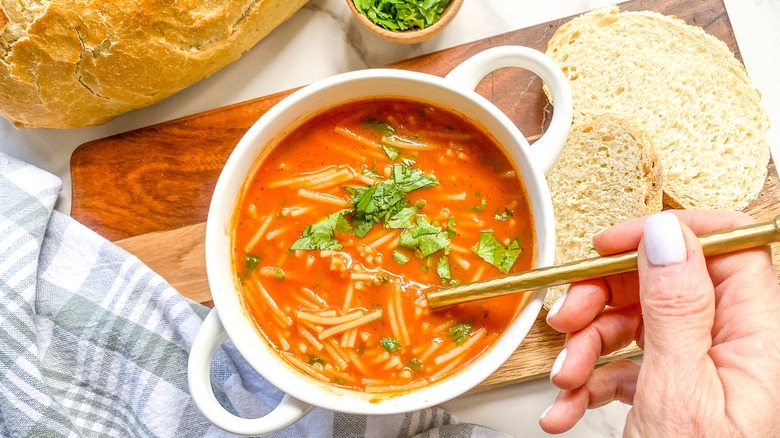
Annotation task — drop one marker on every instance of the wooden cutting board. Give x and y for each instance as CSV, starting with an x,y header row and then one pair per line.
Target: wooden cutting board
x,y
149,189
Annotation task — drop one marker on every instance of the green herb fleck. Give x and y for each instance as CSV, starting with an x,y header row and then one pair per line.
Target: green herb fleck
x,y
400,257
391,152
316,359
451,231
390,344
251,262
376,125
498,255
460,332
481,207
339,381
415,365
279,274
443,269
504,215
320,235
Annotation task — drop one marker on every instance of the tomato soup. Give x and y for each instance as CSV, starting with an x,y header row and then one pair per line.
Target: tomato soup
x,y
353,216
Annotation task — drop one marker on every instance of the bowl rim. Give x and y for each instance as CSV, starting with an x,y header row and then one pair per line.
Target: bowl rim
x,y
408,36
256,350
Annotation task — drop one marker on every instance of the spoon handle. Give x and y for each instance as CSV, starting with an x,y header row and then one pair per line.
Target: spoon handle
x,y
720,242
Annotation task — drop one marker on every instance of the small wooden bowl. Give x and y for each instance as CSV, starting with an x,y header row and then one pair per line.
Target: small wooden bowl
x,y
408,36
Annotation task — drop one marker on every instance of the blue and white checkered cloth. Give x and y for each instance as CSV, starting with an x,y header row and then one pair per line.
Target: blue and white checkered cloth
x,y
94,344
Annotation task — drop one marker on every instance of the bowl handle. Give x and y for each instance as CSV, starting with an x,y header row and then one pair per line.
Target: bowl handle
x,y
547,148
210,336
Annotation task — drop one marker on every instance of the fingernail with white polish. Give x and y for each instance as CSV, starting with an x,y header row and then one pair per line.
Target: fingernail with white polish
x,y
544,414
556,307
558,364
664,242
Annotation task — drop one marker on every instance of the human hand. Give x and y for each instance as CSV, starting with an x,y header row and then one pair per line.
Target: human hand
x,y
710,331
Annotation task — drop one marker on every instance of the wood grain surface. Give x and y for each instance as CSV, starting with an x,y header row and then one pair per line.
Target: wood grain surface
x,y
163,175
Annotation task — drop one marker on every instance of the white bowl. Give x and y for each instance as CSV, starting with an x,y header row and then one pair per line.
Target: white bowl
x,y
455,92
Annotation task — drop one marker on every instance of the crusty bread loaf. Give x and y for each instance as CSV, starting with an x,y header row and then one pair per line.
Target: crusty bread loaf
x,y
686,90
608,172
66,64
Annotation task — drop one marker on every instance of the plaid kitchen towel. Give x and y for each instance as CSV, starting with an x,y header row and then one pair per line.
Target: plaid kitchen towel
x,y
93,343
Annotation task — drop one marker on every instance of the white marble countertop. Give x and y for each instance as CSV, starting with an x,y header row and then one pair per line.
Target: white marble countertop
x,y
322,40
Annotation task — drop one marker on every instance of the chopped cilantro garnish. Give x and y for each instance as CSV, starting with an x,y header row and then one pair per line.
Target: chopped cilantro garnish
x,y
503,215
384,202
451,231
498,255
361,228
400,257
443,269
403,219
460,332
279,274
391,152
424,237
320,235
385,199
402,14
378,126
251,262
408,178
390,344
415,365
377,203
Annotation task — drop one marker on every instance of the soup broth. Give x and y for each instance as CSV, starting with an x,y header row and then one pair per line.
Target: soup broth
x,y
353,216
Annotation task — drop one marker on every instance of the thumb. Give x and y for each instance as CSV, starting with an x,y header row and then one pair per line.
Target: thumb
x,y
676,294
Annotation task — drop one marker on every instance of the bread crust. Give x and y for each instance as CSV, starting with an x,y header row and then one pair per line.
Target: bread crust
x,y
75,63
684,88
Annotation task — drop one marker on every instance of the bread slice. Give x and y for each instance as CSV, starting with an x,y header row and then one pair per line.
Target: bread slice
x,y
608,172
686,90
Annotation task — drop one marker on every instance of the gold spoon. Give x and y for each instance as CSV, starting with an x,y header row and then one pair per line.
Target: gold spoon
x,y
720,242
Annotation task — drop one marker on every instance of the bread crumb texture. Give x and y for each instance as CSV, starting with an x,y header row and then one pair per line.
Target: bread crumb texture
x,y
74,63
684,88
608,172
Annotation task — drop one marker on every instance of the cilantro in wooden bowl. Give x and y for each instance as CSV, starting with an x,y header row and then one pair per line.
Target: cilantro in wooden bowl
x,y
405,21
